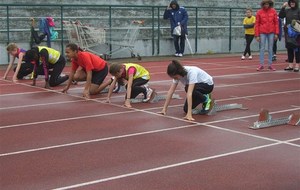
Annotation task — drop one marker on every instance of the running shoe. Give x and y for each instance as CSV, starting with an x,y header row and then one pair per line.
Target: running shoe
x,y
206,104
289,68
271,68
260,67
150,95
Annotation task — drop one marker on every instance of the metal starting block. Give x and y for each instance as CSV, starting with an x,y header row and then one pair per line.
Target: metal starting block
x,y
119,89
217,108
265,120
155,99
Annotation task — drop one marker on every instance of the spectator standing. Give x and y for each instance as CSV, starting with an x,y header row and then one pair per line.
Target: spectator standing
x,y
266,30
178,17
248,24
290,11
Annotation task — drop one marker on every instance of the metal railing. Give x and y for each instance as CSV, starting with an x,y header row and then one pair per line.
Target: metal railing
x,y
225,22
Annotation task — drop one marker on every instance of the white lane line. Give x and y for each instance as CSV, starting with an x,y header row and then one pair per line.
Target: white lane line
x,y
233,98
65,119
22,93
164,167
207,124
44,104
95,140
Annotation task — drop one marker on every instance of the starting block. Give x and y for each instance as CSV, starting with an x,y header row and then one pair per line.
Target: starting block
x,y
217,108
265,120
116,90
155,99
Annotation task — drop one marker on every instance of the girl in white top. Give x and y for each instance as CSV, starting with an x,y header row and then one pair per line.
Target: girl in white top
x,y
198,85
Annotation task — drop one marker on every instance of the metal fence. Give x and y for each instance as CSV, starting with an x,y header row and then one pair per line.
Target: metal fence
x,y
204,22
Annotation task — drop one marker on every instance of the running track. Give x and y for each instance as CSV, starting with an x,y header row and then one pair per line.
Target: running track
x,y
51,140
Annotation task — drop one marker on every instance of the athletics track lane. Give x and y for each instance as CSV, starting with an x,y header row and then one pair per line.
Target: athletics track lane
x,y
104,146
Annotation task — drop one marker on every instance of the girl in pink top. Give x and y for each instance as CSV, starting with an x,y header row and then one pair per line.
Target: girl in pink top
x,y
22,69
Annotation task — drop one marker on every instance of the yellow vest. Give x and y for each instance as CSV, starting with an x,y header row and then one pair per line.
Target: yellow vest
x,y
141,72
53,54
250,20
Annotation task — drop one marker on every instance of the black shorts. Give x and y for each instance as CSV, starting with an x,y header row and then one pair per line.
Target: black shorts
x,y
99,76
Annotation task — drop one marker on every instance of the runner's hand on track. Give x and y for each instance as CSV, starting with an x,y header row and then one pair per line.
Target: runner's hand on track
x,y
86,94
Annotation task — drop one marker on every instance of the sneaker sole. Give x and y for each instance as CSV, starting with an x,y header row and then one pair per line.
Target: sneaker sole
x,y
151,97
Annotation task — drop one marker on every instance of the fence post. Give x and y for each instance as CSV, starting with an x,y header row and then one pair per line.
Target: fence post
x,y
230,27
153,35
158,30
196,32
62,29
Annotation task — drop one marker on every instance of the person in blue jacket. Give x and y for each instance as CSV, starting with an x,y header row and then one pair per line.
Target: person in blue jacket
x,y
178,16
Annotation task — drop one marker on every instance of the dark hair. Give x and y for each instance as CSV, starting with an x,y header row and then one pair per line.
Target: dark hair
x,y
114,68
270,2
174,3
296,3
32,55
74,47
175,68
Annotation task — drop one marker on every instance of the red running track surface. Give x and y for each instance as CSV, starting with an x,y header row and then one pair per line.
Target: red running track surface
x,y
51,140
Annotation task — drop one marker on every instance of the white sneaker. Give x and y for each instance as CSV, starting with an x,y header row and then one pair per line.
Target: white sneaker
x,y
176,54
250,57
180,55
150,95
243,57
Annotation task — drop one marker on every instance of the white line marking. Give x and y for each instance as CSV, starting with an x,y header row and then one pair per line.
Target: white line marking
x,y
164,167
22,93
207,124
45,104
95,140
64,119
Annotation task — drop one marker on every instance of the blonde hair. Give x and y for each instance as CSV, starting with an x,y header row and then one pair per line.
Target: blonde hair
x,y
12,46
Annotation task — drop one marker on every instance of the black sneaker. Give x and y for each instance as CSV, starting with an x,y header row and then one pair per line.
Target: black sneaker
x,y
288,68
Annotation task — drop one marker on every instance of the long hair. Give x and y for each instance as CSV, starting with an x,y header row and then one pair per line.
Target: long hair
x,y
74,47
114,69
175,68
32,54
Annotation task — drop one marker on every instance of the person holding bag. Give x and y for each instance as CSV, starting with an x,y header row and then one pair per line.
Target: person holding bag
x,y
290,11
178,17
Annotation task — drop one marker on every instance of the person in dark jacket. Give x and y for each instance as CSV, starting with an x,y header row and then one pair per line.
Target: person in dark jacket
x,y
178,16
291,13
266,30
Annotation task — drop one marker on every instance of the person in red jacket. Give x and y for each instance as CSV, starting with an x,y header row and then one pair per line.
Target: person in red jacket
x,y
266,30
87,67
